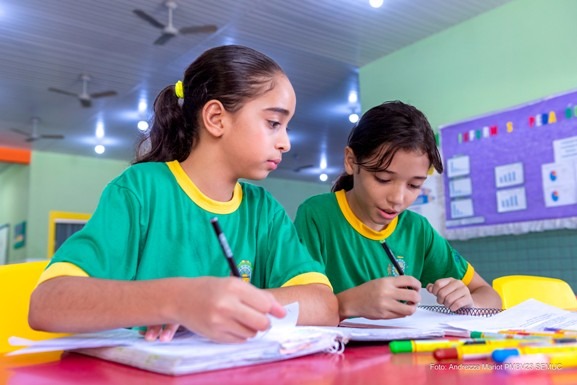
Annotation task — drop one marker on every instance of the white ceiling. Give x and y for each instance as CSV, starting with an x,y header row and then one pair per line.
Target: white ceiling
x,y
319,43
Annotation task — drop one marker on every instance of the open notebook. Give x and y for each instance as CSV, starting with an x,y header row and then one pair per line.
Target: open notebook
x,y
191,353
429,302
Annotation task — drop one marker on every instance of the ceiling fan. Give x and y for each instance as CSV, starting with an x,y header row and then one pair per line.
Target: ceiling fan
x,y
84,97
34,135
169,30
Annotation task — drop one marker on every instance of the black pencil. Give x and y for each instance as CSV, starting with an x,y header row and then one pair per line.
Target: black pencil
x,y
225,247
392,258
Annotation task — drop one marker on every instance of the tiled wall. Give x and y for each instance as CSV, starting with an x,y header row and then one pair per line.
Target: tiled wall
x,y
549,253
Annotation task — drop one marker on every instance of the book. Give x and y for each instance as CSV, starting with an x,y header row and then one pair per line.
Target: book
x,y
192,353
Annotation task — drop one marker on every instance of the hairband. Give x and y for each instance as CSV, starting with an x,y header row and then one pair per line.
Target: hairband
x,y
179,89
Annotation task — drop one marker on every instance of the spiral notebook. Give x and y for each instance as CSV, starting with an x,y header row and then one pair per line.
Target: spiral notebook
x,y
429,302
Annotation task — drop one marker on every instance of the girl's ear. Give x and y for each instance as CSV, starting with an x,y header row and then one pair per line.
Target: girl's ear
x,y
349,160
212,118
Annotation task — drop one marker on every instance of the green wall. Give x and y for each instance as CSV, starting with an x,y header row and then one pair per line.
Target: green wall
x,y
63,183
519,52
14,187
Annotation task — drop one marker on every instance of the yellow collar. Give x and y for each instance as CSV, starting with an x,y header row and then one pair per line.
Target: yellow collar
x,y
199,198
358,225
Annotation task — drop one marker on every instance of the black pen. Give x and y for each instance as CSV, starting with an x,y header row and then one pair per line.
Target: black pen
x,y
225,247
392,258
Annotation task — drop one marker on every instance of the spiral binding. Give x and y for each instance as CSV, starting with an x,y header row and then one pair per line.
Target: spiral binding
x,y
473,311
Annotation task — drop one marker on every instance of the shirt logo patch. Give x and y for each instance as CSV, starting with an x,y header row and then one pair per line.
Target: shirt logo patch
x,y
392,272
245,270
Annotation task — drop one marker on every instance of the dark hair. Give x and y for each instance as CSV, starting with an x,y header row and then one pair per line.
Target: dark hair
x,y
382,131
230,74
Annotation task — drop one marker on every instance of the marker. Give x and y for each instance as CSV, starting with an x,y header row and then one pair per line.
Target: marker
x,y
493,336
418,346
412,346
500,355
472,351
225,247
533,362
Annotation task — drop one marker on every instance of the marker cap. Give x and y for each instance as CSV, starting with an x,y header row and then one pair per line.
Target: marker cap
x,y
500,355
446,354
401,346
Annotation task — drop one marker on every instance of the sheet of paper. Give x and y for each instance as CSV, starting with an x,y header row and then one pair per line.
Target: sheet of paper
x,y
529,315
387,334
120,337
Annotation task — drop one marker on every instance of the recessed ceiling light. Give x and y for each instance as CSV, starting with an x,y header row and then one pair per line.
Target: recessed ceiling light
x,y
353,118
323,177
142,125
99,149
376,3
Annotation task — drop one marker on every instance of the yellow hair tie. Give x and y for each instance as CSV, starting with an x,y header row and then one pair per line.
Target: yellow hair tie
x,y
431,170
179,89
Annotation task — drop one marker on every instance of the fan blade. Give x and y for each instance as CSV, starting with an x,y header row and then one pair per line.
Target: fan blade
x,y
62,91
85,102
21,132
198,29
164,38
305,167
51,136
32,138
146,17
103,94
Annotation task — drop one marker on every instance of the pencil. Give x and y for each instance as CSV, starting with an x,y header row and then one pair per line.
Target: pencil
x,y
392,258
225,247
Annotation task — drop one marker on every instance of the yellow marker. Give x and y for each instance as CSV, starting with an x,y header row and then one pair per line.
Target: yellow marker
x,y
501,355
477,350
540,362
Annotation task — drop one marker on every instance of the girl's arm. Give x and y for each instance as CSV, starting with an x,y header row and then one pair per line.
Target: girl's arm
x,y
222,309
317,304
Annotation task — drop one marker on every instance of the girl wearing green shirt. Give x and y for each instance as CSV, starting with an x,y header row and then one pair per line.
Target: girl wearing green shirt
x,y
149,256
389,155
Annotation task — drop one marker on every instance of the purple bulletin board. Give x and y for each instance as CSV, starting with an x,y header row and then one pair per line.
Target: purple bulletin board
x,y
512,171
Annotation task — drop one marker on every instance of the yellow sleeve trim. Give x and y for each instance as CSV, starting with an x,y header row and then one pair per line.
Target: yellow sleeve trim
x,y
468,275
61,269
307,278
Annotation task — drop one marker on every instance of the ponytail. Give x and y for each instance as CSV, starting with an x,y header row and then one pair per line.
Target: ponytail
x,y
168,138
343,182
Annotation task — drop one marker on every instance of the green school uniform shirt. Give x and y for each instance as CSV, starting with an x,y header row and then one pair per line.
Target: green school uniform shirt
x,y
352,253
153,222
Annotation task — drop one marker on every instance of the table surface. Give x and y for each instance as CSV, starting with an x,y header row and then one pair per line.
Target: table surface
x,y
359,364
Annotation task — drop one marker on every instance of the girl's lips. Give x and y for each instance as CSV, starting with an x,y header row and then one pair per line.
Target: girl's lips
x,y
388,214
273,163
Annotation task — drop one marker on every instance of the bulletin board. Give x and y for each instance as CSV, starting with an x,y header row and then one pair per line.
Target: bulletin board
x,y
512,171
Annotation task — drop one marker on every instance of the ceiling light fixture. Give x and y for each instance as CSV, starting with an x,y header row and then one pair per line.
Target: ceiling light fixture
x,y
323,177
353,117
376,3
142,125
99,149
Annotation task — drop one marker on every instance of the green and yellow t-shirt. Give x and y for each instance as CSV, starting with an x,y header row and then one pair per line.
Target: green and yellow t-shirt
x,y
352,253
153,222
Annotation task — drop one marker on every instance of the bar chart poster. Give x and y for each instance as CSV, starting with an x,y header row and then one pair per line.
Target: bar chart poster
x,y
512,167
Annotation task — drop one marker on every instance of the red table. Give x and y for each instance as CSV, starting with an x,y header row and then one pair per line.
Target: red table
x,y
359,364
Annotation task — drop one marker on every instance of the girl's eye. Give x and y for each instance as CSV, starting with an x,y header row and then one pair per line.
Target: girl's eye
x,y
274,124
383,181
413,186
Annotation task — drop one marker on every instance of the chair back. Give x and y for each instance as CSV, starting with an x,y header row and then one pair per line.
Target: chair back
x,y
515,289
17,281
